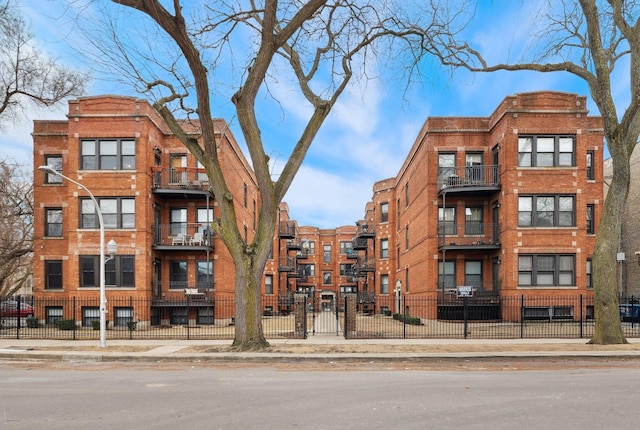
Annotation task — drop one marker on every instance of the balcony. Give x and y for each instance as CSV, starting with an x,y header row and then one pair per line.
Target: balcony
x,y
365,230
182,236
469,236
469,180
179,181
360,243
365,265
287,264
182,292
294,244
287,229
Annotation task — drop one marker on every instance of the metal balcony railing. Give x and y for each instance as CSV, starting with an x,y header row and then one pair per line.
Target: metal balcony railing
x,y
180,178
468,234
183,234
469,176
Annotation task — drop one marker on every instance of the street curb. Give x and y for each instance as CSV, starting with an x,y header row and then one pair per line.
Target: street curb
x,y
266,358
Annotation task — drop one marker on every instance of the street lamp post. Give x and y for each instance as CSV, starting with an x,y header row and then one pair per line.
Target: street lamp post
x,y
112,248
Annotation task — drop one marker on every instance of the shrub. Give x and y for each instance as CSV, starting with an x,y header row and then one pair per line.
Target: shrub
x,y
407,319
132,325
32,322
65,324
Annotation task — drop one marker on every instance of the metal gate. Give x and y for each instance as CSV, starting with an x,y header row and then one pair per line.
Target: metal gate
x,y
324,315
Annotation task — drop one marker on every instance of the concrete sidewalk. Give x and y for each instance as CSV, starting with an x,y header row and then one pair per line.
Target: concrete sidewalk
x,y
315,348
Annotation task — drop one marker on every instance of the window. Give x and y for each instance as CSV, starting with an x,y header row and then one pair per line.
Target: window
x,y
346,270
204,274
119,212
203,215
384,248
591,173
326,257
447,275
546,211
307,270
53,274
406,193
53,314
179,316
546,151
384,212
111,154
310,246
546,270
346,248
406,238
178,166
326,278
446,167
398,214
53,226
205,315
446,221
178,221
118,272
177,274
474,173
268,284
384,284
90,314
201,175
406,282
55,162
473,221
473,274
589,278
123,316
245,195
591,228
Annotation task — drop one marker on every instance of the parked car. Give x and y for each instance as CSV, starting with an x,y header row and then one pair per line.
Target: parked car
x,y
9,309
630,312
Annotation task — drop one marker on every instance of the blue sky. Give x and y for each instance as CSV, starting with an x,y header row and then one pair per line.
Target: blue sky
x,y
371,129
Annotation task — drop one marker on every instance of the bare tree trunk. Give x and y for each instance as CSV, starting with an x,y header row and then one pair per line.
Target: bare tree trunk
x,y
249,335
607,313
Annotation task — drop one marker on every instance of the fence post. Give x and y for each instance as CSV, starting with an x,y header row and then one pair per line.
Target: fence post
x,y
465,314
18,312
73,317
130,325
188,316
581,316
521,316
403,300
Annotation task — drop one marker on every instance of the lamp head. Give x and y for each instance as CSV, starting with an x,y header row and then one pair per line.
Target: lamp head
x,y
112,248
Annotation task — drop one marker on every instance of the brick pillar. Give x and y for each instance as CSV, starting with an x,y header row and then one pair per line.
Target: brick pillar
x,y
300,313
350,306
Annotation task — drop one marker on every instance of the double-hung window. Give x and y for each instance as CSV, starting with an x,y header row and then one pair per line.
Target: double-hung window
x,y
546,270
204,274
546,151
384,248
108,154
384,212
117,212
446,221
55,162
546,211
53,274
118,272
53,226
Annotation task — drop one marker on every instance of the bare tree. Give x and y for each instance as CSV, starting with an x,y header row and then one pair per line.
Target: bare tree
x,y
16,227
27,76
589,39
321,45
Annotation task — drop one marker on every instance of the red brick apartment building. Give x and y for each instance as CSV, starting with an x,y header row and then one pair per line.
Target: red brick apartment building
x,y
156,205
506,204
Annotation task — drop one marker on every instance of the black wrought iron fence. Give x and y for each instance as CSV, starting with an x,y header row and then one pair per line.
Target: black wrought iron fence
x,y
382,317
486,318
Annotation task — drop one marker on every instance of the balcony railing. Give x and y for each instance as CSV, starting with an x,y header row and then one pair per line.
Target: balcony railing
x,y
365,230
180,178
471,234
365,265
287,229
469,177
183,234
